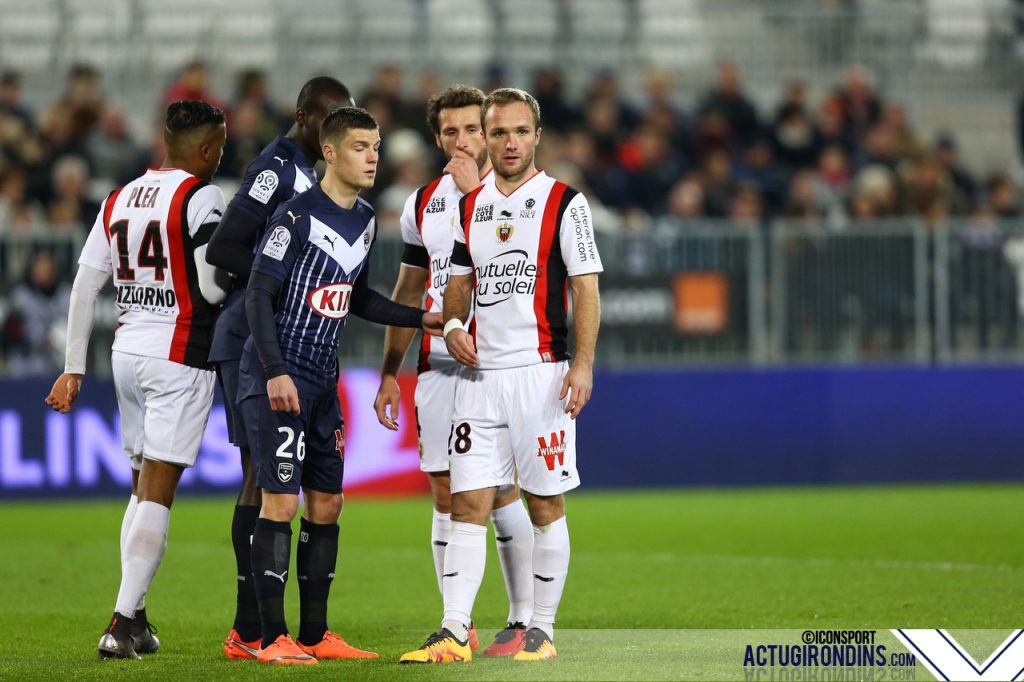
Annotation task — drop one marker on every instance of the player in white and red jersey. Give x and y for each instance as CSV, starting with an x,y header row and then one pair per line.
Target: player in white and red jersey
x,y
520,243
427,230
151,235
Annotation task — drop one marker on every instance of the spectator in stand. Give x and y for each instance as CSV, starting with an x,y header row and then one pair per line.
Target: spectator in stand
x,y
664,112
686,200
11,105
879,148
718,184
746,207
906,142
793,132
192,83
946,153
18,213
758,168
807,199
651,168
114,157
860,107
1002,196
34,328
252,91
548,89
71,206
728,100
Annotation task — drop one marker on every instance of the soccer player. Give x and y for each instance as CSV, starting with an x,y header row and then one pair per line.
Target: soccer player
x,y
152,235
310,271
430,213
518,243
283,170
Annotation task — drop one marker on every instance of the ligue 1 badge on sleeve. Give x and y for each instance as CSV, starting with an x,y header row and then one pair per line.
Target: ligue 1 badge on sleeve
x,y
504,232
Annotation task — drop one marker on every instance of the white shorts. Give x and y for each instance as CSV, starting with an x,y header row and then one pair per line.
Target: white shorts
x,y
509,420
164,406
435,400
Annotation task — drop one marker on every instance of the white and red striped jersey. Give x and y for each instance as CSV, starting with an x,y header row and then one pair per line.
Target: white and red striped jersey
x,y
145,235
428,230
521,249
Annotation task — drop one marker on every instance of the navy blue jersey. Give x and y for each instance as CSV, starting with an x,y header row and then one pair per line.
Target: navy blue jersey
x,y
318,250
280,173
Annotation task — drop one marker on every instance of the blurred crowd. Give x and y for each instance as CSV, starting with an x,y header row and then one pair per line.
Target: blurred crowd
x,y
648,164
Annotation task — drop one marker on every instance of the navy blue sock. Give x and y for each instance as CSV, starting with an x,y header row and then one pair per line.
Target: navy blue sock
x,y
247,607
315,559
271,552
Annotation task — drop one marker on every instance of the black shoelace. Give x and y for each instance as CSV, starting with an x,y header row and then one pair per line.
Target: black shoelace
x,y
509,633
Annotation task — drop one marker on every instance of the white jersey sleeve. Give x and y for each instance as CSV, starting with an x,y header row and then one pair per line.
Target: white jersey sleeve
x,y
96,252
459,233
205,207
410,232
576,239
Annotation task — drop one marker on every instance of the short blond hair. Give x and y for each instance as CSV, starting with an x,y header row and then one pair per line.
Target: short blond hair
x,y
508,96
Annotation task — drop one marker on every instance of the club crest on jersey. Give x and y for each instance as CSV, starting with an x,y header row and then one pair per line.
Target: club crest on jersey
x,y
284,471
504,232
331,300
484,213
528,212
436,205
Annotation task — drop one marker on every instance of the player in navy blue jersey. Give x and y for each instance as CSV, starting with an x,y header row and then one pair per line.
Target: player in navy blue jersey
x,y
310,271
283,170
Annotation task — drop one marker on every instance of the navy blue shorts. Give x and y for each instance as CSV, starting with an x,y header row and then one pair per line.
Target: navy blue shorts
x,y
227,377
292,452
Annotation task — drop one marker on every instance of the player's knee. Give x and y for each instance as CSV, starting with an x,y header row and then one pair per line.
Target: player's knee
x,y
323,508
440,488
545,509
279,506
506,496
473,506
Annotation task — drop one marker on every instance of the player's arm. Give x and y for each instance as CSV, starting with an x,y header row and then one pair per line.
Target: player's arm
x,y
586,317
583,263
204,212
260,295
93,271
458,294
272,266
233,243
408,291
84,292
412,276
373,306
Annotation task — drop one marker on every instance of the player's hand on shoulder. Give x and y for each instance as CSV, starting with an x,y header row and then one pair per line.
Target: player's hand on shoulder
x,y
433,323
464,171
461,347
283,395
64,392
388,395
578,385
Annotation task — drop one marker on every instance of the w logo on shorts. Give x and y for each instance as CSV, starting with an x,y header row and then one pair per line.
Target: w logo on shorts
x,y
553,451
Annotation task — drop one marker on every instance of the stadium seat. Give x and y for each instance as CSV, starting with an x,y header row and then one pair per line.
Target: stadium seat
x,y
673,35
530,32
460,34
387,31
599,30
28,33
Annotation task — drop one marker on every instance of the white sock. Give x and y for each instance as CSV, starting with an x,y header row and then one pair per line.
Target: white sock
x,y
126,524
513,535
550,566
463,571
144,547
440,534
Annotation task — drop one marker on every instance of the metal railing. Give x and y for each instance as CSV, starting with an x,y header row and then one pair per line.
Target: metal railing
x,y
719,293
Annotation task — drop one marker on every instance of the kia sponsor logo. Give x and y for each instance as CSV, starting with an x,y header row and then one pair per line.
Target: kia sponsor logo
x,y
331,300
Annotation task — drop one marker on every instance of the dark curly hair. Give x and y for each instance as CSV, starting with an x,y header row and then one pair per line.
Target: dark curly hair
x,y
190,114
455,97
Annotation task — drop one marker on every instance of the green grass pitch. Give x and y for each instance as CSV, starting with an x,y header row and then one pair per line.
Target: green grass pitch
x,y
872,557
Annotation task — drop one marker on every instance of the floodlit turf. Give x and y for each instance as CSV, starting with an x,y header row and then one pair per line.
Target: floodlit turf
x,y
949,557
